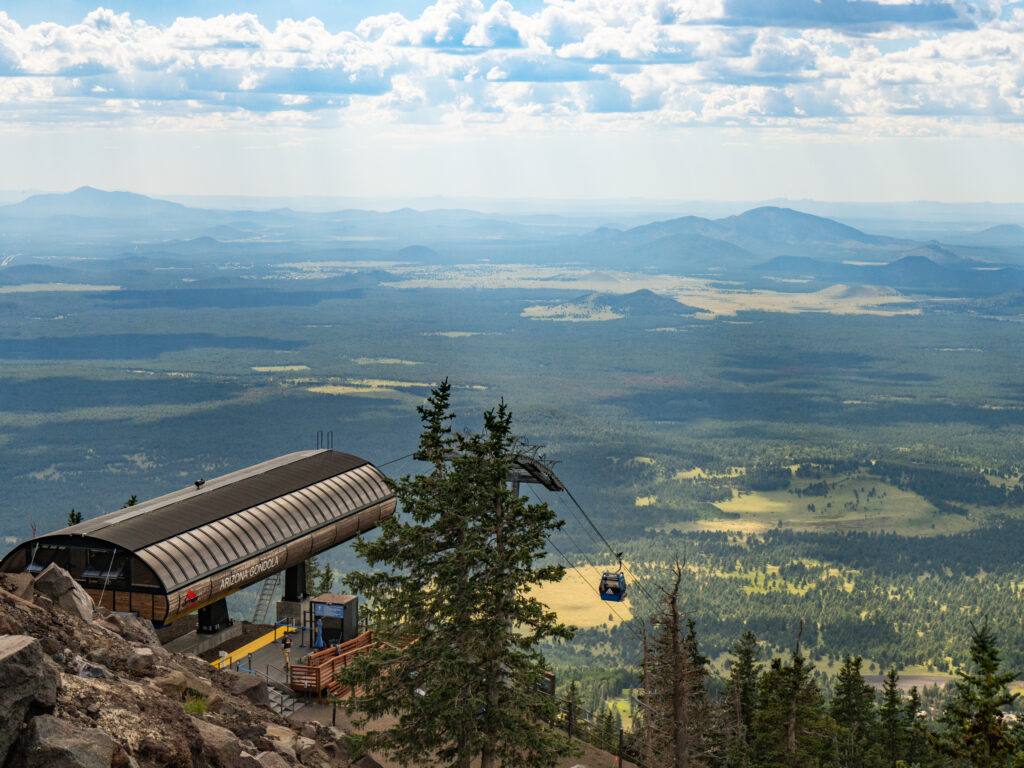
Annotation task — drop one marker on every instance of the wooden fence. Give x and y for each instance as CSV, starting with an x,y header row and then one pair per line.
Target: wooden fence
x,y
317,674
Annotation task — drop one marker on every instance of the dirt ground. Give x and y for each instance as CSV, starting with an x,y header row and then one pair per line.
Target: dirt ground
x,y
320,713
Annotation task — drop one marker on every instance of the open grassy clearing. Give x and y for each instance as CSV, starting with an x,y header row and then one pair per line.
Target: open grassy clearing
x,y
699,474
854,502
383,361
848,507
576,601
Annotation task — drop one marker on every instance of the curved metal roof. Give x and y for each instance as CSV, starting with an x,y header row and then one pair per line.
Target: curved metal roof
x,y
190,534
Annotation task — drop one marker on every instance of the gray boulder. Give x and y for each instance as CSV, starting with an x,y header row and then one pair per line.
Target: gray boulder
x,y
18,584
221,747
248,686
91,669
57,584
173,684
28,685
141,659
271,760
283,740
129,626
304,748
51,742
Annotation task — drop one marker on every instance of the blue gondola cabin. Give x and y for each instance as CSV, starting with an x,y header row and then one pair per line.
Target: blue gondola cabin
x,y
613,586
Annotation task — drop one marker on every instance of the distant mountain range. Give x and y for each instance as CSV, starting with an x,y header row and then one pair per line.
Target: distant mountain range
x,y
911,274
87,202
131,233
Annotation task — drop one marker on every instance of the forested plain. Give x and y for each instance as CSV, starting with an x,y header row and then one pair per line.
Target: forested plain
x,y
857,474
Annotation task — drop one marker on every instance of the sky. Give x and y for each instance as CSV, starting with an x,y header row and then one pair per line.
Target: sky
x,y
867,100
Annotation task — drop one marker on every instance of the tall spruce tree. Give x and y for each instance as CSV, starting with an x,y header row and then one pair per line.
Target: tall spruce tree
x,y
853,710
456,659
893,731
740,702
918,748
976,729
572,711
789,725
674,679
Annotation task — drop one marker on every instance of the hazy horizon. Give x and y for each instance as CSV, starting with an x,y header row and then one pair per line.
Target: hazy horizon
x,y
723,100
863,210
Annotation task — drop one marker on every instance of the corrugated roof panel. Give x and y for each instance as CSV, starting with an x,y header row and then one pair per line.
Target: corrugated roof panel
x,y
313,504
284,516
339,492
223,539
137,527
224,542
204,545
256,525
298,512
189,535
159,567
171,561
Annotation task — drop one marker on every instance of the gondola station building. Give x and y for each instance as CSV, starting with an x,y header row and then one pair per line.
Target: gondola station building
x,y
187,551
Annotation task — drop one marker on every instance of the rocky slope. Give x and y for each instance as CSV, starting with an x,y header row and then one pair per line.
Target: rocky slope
x,y
84,688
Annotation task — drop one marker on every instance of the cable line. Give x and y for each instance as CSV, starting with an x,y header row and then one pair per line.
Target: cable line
x,y
575,517
617,555
407,456
572,565
597,569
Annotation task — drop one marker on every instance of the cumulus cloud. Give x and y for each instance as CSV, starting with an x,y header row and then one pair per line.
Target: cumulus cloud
x,y
906,63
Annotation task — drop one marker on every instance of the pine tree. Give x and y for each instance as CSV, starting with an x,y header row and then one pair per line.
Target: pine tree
x,y
456,659
740,701
607,735
893,728
789,725
74,518
319,578
976,727
572,710
674,681
853,710
918,750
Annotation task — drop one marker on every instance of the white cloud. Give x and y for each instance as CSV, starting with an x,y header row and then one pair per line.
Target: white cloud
x,y
904,66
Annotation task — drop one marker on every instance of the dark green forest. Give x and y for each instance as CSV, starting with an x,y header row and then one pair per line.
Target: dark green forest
x,y
858,475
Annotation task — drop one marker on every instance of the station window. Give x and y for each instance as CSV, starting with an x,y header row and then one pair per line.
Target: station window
x,y
105,565
43,556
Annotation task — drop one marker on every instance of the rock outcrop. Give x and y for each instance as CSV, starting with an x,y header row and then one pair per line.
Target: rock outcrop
x,y
87,688
221,747
250,687
57,584
28,685
51,741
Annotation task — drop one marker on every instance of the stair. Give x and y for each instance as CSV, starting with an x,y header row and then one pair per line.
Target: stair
x,y
266,598
282,703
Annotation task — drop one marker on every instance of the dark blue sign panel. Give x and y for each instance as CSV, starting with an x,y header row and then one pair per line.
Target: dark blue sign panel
x,y
329,611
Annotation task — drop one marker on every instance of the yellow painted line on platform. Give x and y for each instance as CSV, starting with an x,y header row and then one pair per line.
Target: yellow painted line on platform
x,y
255,645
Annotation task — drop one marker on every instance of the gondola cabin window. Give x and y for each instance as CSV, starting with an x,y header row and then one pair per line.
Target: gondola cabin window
x,y
613,586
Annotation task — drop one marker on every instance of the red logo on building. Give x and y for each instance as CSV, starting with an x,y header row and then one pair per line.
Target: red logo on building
x,y
191,597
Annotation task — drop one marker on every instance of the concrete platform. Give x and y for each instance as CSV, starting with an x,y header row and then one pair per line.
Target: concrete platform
x,y
193,642
268,661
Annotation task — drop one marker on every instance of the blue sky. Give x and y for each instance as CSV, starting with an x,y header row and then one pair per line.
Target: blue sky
x,y
663,99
